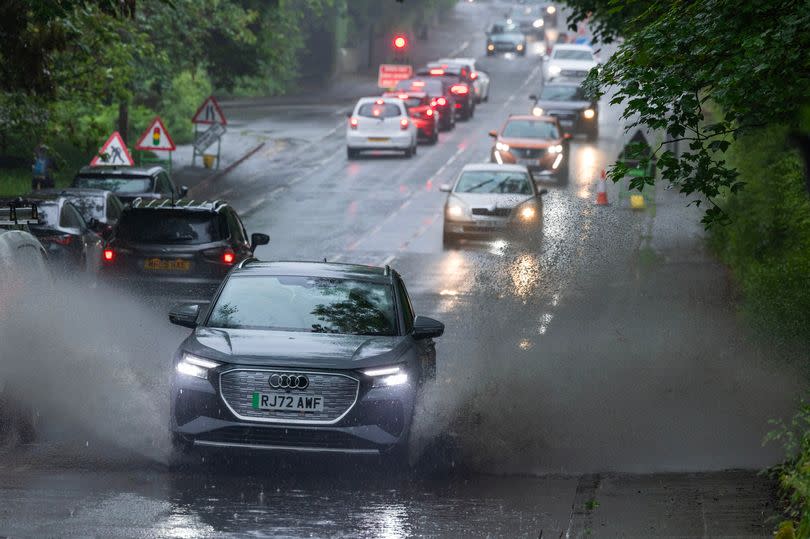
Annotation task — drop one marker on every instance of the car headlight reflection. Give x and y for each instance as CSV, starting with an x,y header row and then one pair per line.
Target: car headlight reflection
x,y
528,213
589,113
555,149
537,111
198,367
538,23
501,147
490,47
554,70
519,46
387,376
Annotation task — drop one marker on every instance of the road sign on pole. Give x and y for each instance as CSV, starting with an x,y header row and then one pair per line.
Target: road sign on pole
x,y
390,74
205,139
156,138
114,152
209,113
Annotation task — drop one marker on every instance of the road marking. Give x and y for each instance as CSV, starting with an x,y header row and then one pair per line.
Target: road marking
x,y
458,50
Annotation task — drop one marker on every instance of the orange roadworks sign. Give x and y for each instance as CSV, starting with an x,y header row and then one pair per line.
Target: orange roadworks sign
x,y
391,74
156,138
114,152
209,113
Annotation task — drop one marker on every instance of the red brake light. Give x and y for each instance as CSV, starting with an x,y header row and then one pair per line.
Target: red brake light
x,y
403,96
437,71
61,240
474,75
353,122
459,89
441,101
429,112
109,255
380,102
418,83
228,257
403,123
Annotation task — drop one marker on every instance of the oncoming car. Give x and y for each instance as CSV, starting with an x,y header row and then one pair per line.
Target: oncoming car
x,y
380,123
302,356
569,61
489,201
566,101
130,183
537,142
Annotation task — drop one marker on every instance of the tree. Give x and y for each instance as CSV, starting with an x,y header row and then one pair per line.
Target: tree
x,y
748,60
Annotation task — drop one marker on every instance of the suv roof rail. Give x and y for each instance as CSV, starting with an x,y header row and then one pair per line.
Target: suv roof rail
x,y
246,261
19,212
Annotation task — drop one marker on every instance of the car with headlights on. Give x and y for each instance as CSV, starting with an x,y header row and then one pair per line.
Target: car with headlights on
x,y
310,357
503,37
380,123
530,19
492,201
567,102
536,142
479,78
569,61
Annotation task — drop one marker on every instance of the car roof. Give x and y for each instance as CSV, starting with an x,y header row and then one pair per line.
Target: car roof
x,y
316,269
76,192
551,119
122,170
468,61
572,47
386,99
474,167
411,93
563,82
183,204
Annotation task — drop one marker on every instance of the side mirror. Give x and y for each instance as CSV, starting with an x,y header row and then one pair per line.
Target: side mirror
x,y
493,134
445,188
185,314
533,97
427,328
257,239
183,191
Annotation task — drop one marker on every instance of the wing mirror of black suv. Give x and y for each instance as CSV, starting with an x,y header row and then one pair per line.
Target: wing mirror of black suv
x,y
427,328
257,239
183,191
185,314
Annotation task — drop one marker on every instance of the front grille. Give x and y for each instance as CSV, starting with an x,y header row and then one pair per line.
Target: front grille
x,y
527,153
497,212
285,437
566,116
574,73
504,46
339,394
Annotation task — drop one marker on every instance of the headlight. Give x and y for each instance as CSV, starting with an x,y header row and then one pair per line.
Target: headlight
x,y
538,23
537,111
198,367
528,213
501,147
589,113
455,211
554,70
551,10
387,376
508,21
555,149
519,46
490,47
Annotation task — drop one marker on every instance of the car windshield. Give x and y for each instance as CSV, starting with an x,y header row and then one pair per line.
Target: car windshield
x,y
376,110
562,93
91,207
501,182
116,184
530,129
170,226
312,304
567,54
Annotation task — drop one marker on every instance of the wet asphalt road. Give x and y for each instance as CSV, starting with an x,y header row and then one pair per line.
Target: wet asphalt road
x,y
578,379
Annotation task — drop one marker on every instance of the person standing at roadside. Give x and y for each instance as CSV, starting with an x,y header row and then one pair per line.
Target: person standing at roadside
x,y
42,169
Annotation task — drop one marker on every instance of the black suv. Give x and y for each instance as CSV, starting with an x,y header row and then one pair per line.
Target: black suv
x,y
302,356
566,101
459,78
130,183
181,249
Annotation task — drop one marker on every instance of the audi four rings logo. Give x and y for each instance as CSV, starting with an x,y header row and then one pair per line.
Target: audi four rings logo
x,y
288,381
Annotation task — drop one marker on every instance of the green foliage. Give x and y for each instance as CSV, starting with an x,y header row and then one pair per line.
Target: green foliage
x,y
748,58
767,239
794,473
180,102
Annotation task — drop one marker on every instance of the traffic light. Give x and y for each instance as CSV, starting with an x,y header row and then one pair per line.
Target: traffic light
x,y
399,46
156,136
400,43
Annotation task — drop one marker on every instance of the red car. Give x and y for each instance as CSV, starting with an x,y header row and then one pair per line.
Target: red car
x,y
423,114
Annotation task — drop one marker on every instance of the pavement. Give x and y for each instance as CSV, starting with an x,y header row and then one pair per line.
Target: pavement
x,y
598,384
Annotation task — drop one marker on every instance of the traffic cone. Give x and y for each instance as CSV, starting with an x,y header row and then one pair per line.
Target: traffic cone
x,y
601,190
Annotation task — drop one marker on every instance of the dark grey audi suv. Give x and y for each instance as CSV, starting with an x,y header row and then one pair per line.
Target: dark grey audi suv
x,y
302,356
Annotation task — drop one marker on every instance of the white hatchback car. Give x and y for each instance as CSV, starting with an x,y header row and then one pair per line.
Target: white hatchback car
x,y
569,61
380,123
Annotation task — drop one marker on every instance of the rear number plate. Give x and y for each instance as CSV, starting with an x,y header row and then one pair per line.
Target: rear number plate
x,y
288,401
378,139
160,264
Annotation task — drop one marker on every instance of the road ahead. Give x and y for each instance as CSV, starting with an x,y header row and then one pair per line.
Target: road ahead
x,y
597,384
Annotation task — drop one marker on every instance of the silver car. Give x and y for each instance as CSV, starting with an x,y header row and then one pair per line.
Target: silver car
x,y
490,201
480,79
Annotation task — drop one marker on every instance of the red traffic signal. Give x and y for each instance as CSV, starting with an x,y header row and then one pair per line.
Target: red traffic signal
x,y
400,42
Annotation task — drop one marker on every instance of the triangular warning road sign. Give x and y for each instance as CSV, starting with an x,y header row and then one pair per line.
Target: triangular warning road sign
x,y
114,152
209,113
156,138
